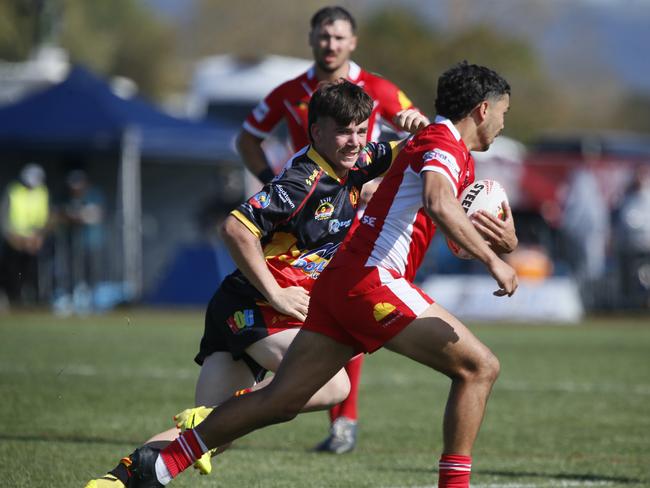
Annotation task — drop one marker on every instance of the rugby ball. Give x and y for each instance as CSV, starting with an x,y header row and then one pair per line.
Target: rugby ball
x,y
486,195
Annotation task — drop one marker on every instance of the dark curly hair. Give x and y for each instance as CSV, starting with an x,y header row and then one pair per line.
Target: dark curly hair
x,y
329,15
341,100
464,86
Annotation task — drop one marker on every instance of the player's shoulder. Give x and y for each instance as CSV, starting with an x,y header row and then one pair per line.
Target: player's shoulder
x,y
300,171
291,86
376,81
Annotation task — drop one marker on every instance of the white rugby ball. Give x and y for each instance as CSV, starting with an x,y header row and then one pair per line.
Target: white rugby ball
x,y
486,195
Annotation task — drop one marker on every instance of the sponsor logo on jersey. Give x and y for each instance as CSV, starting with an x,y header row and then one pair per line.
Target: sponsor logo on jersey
x,y
368,220
324,211
260,111
385,313
240,320
313,262
354,197
336,225
445,159
365,158
260,200
310,179
284,196
301,105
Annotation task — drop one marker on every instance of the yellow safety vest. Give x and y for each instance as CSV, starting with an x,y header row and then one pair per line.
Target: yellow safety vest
x,y
28,209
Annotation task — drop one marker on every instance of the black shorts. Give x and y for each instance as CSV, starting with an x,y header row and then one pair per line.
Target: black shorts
x,y
234,321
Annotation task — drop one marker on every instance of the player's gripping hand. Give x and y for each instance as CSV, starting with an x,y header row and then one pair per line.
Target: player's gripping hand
x,y
500,233
411,120
292,301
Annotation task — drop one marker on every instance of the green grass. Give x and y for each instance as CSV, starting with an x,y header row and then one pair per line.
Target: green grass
x,y
571,408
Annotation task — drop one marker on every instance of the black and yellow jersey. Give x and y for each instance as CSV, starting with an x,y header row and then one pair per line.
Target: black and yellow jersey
x,y
303,215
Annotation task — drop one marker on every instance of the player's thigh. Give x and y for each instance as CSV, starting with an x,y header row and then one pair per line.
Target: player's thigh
x,y
439,340
312,360
220,377
269,351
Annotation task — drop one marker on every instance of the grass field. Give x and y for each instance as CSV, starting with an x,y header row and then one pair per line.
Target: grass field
x,y
571,408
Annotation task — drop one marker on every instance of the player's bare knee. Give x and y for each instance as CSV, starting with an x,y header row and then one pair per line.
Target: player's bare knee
x,y
338,388
490,367
482,367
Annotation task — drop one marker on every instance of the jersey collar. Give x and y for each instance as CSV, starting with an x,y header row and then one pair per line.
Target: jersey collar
x,y
320,161
353,73
449,124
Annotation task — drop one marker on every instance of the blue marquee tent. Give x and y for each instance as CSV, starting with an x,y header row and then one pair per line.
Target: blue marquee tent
x,y
83,114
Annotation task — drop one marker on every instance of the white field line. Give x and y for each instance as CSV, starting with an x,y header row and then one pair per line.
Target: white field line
x,y
510,385
190,372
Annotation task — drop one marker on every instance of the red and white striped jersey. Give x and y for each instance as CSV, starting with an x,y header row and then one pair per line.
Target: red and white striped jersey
x,y
395,231
290,102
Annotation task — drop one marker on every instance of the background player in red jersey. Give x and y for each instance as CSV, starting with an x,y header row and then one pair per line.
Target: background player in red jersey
x,y
365,298
332,39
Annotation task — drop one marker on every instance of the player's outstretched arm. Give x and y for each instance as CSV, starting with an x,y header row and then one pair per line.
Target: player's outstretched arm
x,y
246,251
445,210
253,156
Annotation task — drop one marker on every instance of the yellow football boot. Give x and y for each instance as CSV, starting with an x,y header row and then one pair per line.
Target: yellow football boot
x,y
106,481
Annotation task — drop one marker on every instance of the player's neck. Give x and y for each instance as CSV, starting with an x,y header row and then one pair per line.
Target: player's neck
x,y
341,72
467,129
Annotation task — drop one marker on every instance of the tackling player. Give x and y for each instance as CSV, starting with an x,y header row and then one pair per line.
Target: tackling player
x,y
365,298
281,240
332,39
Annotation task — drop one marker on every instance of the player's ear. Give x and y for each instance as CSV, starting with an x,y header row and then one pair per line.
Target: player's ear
x,y
353,43
480,112
315,131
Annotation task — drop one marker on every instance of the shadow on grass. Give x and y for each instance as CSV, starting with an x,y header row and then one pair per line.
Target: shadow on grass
x,y
594,478
586,477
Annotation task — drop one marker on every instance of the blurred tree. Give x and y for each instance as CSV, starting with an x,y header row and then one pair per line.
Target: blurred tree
x,y
121,37
19,20
633,112
253,28
113,37
414,54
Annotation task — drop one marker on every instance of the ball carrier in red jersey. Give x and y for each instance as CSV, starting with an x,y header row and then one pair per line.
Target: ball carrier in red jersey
x,y
281,239
365,298
332,39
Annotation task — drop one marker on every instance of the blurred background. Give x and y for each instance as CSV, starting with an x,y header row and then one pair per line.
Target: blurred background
x,y
122,114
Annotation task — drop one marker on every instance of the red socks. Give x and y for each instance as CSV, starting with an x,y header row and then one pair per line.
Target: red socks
x,y
348,407
454,471
182,453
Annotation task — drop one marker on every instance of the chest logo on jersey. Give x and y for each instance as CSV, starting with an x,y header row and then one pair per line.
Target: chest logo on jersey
x,y
312,263
301,105
337,225
260,200
354,197
324,211
284,196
